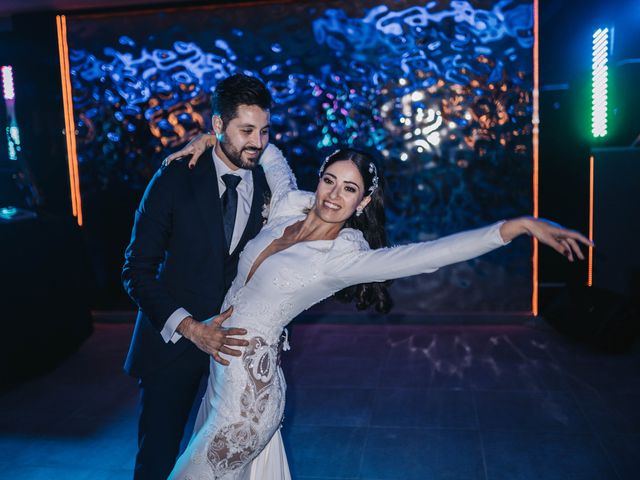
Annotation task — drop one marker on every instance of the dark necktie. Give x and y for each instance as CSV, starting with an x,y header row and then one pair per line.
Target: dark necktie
x,y
229,205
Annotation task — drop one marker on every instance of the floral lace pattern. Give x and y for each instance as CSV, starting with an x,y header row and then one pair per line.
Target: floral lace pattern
x,y
234,445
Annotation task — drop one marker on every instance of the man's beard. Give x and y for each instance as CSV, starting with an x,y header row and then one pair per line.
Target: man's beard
x,y
235,156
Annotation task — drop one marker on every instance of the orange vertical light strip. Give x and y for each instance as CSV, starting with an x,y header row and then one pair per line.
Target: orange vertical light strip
x,y
64,101
70,125
591,192
535,120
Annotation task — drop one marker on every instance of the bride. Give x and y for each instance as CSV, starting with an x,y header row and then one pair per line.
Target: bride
x,y
313,245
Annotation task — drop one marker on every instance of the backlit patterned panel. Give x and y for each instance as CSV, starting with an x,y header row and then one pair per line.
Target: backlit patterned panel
x,y
442,90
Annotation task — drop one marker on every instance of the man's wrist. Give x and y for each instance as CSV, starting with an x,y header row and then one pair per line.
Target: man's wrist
x,y
186,327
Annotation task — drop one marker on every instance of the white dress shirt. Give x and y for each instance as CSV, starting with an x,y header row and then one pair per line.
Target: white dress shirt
x,y
245,195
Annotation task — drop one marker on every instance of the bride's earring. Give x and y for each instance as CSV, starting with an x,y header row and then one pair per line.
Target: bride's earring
x,y
358,211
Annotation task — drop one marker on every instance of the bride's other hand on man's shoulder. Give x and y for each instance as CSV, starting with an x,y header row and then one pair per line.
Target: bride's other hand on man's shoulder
x,y
195,148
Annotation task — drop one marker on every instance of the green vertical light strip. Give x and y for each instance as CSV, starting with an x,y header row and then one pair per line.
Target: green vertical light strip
x,y
599,82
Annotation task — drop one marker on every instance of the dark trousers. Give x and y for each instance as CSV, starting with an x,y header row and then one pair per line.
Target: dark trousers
x,y
166,399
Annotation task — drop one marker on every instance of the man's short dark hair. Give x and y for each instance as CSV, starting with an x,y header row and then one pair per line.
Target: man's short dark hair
x,y
237,90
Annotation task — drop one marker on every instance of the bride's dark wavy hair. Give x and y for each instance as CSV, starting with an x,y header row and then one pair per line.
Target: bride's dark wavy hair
x,y
372,225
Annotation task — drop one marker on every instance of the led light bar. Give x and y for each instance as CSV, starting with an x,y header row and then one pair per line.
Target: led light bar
x,y
7,83
599,82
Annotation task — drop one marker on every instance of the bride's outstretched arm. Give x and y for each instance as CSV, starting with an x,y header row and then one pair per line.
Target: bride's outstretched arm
x,y
378,265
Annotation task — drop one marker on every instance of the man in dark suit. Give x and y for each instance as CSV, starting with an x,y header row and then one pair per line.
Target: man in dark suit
x,y
189,230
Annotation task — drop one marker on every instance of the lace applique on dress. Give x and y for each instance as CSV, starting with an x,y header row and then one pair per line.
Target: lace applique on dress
x,y
235,445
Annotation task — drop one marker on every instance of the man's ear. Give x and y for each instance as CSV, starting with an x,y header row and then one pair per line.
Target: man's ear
x,y
218,124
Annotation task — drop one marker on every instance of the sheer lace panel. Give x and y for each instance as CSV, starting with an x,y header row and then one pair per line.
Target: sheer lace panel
x,y
235,445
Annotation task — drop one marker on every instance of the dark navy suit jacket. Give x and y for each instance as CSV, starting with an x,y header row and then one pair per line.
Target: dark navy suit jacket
x,y
177,256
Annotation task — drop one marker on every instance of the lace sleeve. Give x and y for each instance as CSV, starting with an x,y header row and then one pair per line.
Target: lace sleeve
x,y
279,175
359,264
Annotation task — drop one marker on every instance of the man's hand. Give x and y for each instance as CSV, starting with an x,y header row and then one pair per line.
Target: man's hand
x,y
210,337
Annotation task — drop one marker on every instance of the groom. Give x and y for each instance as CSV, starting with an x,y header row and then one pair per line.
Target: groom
x,y
189,230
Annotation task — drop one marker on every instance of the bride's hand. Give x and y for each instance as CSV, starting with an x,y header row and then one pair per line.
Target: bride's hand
x,y
564,241
195,148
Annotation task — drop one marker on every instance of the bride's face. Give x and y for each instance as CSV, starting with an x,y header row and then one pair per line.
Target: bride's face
x,y
340,191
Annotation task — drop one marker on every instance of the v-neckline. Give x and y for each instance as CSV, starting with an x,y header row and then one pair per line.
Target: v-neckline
x,y
250,275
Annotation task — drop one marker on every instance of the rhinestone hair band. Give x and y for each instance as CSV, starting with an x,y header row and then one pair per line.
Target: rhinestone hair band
x,y
372,170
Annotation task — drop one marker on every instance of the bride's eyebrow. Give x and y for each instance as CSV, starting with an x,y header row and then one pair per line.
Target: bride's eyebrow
x,y
345,181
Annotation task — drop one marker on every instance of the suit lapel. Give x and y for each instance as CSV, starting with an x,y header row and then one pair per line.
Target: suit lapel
x,y
205,186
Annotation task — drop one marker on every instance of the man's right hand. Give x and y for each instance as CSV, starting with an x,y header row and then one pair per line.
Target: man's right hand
x,y
210,337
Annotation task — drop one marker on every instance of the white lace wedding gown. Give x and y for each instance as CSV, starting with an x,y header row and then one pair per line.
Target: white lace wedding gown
x,y
237,432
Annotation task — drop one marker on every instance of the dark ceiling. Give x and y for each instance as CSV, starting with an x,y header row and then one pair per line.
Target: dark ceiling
x,y
11,7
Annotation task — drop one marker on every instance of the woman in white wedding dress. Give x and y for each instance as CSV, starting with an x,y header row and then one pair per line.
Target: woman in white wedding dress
x,y
305,253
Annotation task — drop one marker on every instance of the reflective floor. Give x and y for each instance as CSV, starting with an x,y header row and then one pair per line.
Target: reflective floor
x,y
368,402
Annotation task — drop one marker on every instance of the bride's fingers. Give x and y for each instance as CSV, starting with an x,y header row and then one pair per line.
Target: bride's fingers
x,y
567,249
579,237
195,156
576,248
551,241
176,155
574,234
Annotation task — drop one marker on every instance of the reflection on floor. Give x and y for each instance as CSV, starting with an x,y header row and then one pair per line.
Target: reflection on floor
x,y
368,402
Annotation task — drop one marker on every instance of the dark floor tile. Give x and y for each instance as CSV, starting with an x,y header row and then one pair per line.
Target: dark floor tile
x,y
347,344
324,451
604,373
549,411
548,456
77,441
120,399
610,413
335,372
117,428
419,454
624,453
424,408
326,478
417,368
20,449
44,398
87,452
415,374
345,407
19,472
534,375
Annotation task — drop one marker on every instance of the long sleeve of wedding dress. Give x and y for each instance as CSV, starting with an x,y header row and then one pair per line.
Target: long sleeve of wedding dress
x,y
357,263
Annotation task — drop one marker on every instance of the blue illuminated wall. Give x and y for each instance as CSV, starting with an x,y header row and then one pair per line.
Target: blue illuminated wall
x,y
442,90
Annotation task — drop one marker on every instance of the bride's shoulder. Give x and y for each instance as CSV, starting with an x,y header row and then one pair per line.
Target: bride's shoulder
x,y
351,239
295,202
